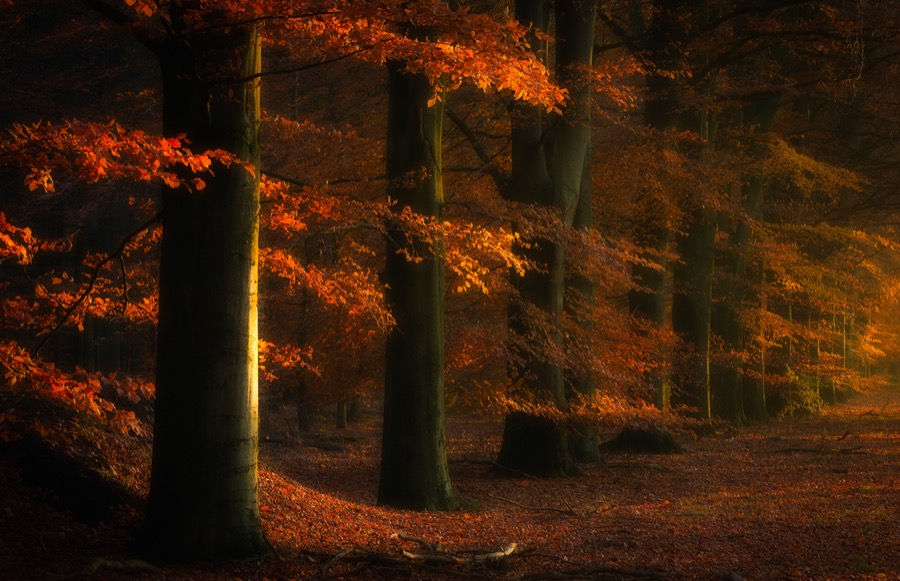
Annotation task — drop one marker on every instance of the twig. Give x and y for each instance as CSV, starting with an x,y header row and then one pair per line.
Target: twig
x,y
437,558
637,465
594,572
506,551
509,470
95,273
819,450
568,510
500,180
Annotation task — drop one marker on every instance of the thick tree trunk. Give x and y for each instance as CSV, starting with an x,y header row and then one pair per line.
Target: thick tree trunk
x,y
203,488
550,177
414,471
530,182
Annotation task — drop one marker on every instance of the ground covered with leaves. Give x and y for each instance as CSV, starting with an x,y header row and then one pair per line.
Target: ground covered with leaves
x,y
814,498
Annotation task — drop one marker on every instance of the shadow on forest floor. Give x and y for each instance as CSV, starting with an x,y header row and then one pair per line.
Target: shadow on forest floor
x,y
813,498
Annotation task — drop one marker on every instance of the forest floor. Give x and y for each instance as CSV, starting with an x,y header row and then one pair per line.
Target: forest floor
x,y
814,498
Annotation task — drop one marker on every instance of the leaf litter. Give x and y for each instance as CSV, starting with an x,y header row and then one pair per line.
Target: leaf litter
x,y
813,498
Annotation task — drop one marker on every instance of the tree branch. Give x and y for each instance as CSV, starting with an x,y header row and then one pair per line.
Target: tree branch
x,y
289,70
121,19
95,273
500,180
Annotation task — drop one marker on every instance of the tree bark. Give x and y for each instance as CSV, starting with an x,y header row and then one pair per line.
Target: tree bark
x,y
571,147
340,415
583,438
203,500
691,307
662,112
727,389
547,168
414,472
648,301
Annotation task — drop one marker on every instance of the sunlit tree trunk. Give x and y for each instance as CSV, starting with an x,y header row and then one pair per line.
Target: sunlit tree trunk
x,y
414,471
203,500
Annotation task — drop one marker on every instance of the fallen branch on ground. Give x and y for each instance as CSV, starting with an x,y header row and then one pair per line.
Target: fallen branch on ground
x,y
598,573
434,556
652,465
853,450
568,510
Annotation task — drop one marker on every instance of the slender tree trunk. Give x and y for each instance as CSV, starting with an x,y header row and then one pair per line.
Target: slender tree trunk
x,y
203,487
570,166
340,415
754,393
354,410
819,362
304,415
414,471
663,112
832,384
728,386
648,301
691,308
583,438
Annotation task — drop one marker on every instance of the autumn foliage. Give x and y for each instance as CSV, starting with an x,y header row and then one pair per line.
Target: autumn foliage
x,y
802,248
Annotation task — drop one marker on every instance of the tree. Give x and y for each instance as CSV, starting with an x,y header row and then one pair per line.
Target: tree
x,y
547,168
730,400
203,490
414,472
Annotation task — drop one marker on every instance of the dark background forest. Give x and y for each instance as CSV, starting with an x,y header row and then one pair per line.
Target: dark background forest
x,y
530,290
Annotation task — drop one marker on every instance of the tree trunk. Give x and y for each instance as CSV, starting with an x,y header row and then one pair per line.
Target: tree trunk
x,y
340,415
662,112
354,410
530,182
414,472
691,306
728,385
303,408
648,301
570,166
203,487
550,177
583,438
